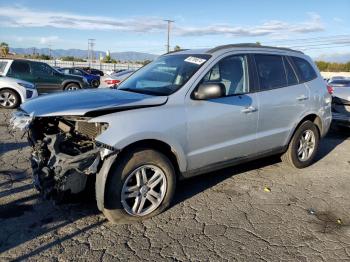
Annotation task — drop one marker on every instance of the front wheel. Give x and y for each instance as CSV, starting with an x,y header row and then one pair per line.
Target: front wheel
x,y
140,185
9,99
303,147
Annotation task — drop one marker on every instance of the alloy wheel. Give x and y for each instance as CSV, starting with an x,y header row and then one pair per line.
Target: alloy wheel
x,y
7,99
143,190
306,145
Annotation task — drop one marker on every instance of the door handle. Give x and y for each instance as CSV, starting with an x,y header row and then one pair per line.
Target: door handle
x,y
302,97
249,109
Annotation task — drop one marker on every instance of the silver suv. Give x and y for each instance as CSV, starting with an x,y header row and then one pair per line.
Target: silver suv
x,y
185,114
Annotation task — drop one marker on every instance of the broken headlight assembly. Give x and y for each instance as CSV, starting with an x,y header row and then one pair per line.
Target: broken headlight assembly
x,y
65,153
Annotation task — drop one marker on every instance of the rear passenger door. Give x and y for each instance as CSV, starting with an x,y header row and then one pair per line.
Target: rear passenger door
x,y
282,100
46,78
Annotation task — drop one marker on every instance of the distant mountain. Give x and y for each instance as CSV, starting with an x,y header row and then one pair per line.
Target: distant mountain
x,y
122,56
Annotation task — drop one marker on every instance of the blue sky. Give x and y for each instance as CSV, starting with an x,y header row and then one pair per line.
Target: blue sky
x,y
320,28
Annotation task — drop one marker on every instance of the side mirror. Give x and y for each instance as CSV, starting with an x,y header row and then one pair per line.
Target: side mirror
x,y
210,91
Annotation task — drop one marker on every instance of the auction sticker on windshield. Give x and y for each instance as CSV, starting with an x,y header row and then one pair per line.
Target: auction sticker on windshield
x,y
195,60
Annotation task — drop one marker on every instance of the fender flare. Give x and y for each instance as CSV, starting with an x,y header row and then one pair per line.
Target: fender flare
x,y
101,178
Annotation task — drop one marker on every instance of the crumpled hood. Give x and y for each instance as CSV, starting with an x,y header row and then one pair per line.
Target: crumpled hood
x,y
89,102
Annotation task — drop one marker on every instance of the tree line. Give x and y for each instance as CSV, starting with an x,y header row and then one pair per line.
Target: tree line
x,y
333,67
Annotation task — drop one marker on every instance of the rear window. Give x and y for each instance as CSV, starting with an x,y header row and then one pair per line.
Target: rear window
x,y
3,65
270,71
306,72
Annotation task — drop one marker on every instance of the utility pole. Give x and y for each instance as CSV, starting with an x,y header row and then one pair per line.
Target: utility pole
x,y
91,55
50,50
169,27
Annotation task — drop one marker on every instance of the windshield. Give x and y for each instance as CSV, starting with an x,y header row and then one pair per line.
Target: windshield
x,y
165,75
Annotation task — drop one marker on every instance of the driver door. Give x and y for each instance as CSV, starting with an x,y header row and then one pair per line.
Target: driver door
x,y
223,130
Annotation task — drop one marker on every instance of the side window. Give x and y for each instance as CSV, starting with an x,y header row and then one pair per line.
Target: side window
x,y
77,72
41,69
271,71
66,71
20,67
291,76
231,71
306,72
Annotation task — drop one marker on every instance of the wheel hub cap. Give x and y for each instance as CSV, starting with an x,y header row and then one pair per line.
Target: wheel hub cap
x,y
7,99
306,145
143,190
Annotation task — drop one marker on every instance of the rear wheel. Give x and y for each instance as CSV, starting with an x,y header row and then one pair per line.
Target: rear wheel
x,y
95,83
72,87
9,99
303,147
140,185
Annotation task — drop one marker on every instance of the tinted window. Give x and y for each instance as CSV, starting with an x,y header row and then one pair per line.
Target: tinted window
x,y
270,71
20,67
3,65
232,72
77,72
291,76
41,69
306,71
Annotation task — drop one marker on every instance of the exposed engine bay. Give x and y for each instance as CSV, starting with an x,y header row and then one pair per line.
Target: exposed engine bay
x,y
64,154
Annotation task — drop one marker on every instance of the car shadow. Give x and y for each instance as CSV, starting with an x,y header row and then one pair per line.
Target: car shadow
x,y
27,216
195,185
7,147
335,137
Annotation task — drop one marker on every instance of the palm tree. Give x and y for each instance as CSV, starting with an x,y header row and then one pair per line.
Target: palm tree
x,y
4,47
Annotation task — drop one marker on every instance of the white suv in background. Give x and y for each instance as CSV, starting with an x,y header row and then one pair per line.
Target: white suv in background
x,y
14,91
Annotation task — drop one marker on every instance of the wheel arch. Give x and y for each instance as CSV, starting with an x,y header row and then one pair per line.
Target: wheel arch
x,y
314,118
158,145
67,82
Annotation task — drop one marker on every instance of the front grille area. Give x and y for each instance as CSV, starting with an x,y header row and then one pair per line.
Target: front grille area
x,y
91,130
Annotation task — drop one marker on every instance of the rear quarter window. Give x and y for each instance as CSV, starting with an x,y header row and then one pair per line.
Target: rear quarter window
x,y
3,65
305,70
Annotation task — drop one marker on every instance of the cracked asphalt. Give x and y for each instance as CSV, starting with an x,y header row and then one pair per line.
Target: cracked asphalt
x,y
227,215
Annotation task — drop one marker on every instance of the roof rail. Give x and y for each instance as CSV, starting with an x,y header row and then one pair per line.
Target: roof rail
x,y
250,45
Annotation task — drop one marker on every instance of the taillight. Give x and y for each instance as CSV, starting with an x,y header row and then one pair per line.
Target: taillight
x,y
330,89
112,81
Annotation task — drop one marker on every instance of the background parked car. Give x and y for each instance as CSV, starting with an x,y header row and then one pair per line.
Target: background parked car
x,y
94,80
13,92
46,79
115,79
92,71
340,90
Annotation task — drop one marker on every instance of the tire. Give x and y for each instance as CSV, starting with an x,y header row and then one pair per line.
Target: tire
x,y
292,157
9,99
72,87
117,208
95,83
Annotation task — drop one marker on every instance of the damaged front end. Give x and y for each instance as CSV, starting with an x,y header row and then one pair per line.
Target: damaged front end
x,y
65,152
